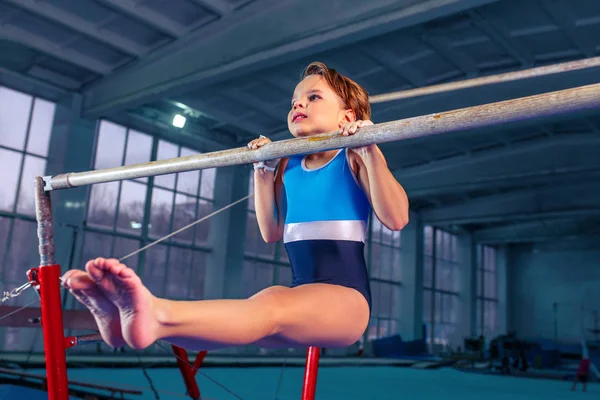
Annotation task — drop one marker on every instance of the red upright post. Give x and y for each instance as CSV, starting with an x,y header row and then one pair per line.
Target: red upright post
x,y
188,372
48,276
52,324
311,370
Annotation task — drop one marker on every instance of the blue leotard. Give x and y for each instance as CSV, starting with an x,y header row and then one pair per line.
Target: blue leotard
x,y
326,224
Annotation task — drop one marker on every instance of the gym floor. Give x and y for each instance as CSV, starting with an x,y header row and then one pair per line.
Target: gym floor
x,y
335,383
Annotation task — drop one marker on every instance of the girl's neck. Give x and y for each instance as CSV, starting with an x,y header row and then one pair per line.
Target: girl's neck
x,y
322,155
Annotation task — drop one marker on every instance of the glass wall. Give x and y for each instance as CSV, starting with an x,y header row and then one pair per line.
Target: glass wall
x,y
124,216
25,128
385,270
487,291
440,285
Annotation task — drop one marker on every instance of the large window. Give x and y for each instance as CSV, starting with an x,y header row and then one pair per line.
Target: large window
x,y
383,255
125,215
25,127
487,290
265,264
440,285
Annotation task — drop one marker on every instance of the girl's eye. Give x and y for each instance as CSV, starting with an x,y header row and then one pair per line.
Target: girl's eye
x,y
314,97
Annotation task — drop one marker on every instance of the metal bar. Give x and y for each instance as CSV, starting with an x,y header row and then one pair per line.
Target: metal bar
x,y
523,109
49,280
489,80
309,386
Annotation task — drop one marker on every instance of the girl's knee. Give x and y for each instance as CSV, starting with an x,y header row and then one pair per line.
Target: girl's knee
x,y
271,303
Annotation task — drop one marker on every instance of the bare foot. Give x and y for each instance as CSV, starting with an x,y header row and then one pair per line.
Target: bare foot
x,y
135,303
105,313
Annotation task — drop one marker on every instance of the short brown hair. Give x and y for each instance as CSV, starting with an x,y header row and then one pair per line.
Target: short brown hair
x,y
354,96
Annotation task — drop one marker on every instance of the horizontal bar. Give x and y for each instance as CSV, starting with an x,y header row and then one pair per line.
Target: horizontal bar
x,y
489,80
523,109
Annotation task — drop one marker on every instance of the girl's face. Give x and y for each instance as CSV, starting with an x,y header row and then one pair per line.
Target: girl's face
x,y
316,108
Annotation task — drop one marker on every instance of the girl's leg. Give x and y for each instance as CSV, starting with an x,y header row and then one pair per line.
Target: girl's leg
x,y
316,314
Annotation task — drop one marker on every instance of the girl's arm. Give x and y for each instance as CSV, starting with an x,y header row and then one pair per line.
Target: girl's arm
x,y
387,196
267,203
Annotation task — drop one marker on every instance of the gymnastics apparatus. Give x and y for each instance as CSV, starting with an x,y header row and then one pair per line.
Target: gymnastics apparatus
x,y
46,278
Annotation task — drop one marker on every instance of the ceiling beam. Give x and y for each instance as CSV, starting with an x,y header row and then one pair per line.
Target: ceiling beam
x,y
53,49
536,231
237,52
27,84
560,13
501,35
151,18
547,177
80,25
566,201
509,150
220,7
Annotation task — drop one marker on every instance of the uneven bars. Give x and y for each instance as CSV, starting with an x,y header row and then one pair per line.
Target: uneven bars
x,y
488,80
521,109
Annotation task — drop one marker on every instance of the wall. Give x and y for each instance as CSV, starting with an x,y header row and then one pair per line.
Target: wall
x,y
567,273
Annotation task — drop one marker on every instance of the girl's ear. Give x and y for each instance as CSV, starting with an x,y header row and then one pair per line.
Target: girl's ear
x,y
349,116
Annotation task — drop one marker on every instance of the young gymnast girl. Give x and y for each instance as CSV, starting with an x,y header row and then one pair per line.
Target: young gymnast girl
x,y
319,204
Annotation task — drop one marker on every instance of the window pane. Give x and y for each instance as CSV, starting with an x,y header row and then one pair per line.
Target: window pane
x,y
376,228
479,317
385,271
386,300
14,118
183,215
428,272
155,269
110,145
372,330
197,276
124,247
207,185
33,167
428,239
375,260
103,204
131,207
427,302
395,306
397,238
384,326
139,149
438,305
4,228
187,182
490,315
264,276
160,216
285,276
23,252
166,150
490,289
248,272
9,174
397,266
251,191
375,298
41,127
179,271
264,249
252,234
386,235
203,228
